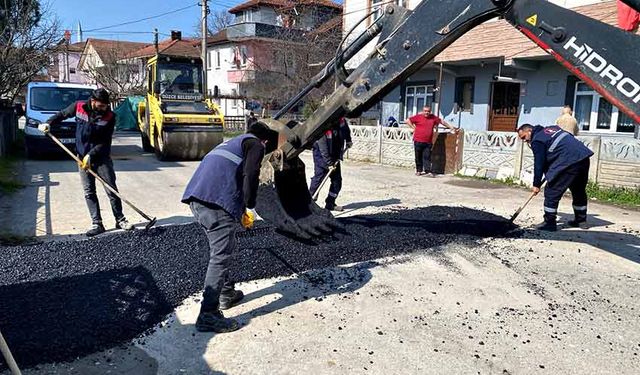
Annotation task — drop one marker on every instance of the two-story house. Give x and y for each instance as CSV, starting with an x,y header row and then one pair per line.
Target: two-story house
x,y
259,58
494,78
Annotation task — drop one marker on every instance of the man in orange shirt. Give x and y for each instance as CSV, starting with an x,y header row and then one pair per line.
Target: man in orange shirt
x,y
425,124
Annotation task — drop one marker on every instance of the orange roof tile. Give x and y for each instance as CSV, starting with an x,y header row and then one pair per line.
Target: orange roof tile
x,y
284,3
511,43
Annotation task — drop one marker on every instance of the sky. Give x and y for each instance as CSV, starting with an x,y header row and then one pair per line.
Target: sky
x,y
94,14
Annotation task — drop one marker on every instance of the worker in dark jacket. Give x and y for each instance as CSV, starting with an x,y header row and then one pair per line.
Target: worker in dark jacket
x,y
95,123
327,153
564,161
221,192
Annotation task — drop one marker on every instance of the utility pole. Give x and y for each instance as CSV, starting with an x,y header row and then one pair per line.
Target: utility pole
x,y
205,13
155,40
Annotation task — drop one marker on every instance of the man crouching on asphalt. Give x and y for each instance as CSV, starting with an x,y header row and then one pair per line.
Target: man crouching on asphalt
x,y
223,191
95,123
564,160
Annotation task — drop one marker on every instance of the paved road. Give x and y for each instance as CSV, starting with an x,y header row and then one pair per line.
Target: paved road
x,y
545,303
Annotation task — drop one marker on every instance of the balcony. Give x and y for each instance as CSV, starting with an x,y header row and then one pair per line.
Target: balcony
x,y
241,76
262,30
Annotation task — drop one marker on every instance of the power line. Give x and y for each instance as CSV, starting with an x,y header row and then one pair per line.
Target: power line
x,y
144,19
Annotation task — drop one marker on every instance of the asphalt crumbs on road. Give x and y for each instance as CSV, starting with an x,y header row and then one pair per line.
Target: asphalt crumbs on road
x,y
63,300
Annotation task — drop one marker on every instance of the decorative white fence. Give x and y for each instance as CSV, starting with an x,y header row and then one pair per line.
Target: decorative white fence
x,y
616,160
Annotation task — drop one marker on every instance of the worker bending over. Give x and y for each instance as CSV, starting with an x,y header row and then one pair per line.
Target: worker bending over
x,y
564,161
328,151
221,192
95,123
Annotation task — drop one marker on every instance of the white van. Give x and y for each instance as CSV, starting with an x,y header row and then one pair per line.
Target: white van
x,y
44,99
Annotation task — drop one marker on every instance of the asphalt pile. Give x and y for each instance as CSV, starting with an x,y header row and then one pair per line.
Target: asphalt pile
x,y
63,300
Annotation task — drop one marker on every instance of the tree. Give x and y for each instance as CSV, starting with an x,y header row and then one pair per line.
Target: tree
x,y
26,34
216,21
296,56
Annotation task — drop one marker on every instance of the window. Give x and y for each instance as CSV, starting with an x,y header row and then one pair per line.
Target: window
x,y
464,93
245,16
218,59
72,70
243,55
234,102
209,58
417,97
595,113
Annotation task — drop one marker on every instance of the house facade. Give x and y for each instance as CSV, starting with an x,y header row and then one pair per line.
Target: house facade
x,y
258,54
494,78
68,60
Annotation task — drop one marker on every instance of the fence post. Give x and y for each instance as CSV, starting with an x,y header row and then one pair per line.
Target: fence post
x,y
379,142
459,151
519,160
594,168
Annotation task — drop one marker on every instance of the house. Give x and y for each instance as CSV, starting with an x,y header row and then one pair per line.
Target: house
x,y
67,58
267,49
104,63
507,82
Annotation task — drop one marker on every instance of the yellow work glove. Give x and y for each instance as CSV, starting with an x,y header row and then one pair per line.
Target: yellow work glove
x,y
248,217
44,127
86,162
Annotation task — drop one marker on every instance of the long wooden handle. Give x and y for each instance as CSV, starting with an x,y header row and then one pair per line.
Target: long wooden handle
x,y
515,215
94,174
6,353
324,181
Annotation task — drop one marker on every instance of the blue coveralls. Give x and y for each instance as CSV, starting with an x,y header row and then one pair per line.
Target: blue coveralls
x,y
327,151
564,161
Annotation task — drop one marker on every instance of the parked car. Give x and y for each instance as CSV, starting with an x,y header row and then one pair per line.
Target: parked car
x,y
43,100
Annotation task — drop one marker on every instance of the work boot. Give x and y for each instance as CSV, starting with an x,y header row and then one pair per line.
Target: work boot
x,y
549,224
579,220
215,322
334,207
95,230
124,224
230,299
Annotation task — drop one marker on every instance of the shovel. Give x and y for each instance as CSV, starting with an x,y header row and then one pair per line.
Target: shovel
x,y
151,220
515,215
325,179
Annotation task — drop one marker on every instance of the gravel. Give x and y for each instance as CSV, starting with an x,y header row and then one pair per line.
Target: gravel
x,y
62,300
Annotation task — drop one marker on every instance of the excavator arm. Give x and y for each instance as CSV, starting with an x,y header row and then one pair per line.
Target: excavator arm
x,y
605,57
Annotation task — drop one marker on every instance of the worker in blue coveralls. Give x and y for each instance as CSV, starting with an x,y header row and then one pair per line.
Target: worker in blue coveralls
x,y
328,151
564,161
222,193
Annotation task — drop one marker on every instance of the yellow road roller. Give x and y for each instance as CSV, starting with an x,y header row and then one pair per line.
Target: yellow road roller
x,y
175,120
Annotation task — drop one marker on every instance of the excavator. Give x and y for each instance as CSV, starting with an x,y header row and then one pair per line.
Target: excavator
x,y
604,57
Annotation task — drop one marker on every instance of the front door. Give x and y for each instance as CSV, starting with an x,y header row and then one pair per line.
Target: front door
x,y
505,102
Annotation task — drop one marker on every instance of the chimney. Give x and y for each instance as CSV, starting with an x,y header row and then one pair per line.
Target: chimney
x,y
176,35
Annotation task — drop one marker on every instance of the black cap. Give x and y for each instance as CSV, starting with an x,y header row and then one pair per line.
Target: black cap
x,y
263,132
101,95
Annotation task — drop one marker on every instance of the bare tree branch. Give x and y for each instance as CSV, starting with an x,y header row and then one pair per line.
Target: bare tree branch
x,y
27,32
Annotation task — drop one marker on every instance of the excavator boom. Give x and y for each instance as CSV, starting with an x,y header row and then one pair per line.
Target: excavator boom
x,y
603,56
